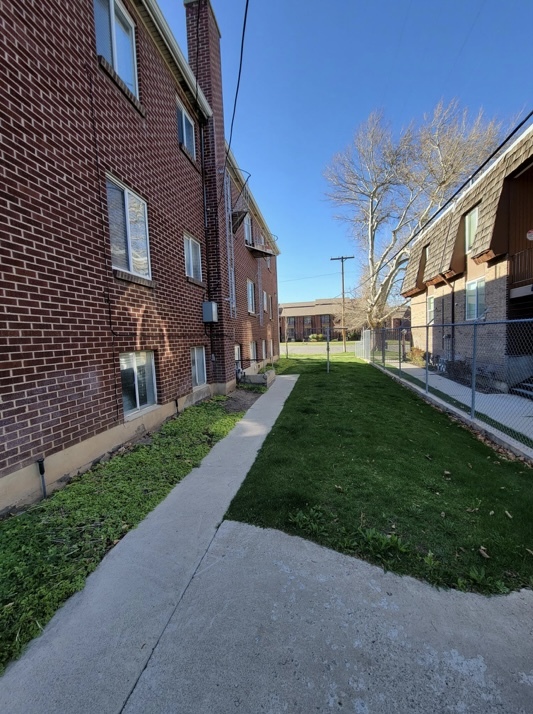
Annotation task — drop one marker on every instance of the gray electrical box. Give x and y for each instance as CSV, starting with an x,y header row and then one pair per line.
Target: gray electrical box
x,y
209,312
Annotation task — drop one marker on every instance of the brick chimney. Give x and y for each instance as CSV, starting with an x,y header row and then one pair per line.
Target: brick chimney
x,y
203,44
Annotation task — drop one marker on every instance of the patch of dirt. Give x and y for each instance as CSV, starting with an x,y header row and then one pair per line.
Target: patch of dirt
x,y
240,400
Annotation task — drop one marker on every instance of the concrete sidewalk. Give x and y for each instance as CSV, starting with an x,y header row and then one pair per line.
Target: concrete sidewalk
x,y
91,654
187,616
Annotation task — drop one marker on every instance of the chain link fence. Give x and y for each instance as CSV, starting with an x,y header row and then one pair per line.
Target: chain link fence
x,y
484,369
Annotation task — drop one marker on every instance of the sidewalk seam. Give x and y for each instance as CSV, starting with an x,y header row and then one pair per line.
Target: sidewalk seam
x,y
201,560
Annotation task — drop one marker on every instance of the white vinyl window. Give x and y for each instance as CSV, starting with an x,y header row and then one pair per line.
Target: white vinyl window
x,y
250,292
115,39
238,362
193,258
247,229
198,366
270,306
430,304
128,229
253,351
471,220
265,301
475,299
137,375
264,348
186,131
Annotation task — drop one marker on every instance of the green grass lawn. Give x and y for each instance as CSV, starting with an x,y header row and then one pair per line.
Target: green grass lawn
x,y
47,552
358,463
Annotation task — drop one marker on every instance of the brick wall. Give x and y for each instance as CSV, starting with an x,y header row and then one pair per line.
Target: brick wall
x,y
66,124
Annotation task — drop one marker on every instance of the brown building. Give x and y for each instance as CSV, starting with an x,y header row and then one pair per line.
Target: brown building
x,y
133,264
475,262
300,320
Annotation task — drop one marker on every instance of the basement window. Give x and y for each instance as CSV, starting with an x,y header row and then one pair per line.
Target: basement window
x,y
137,375
198,366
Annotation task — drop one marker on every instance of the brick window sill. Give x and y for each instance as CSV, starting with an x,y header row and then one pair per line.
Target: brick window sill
x,y
189,156
108,69
130,278
194,281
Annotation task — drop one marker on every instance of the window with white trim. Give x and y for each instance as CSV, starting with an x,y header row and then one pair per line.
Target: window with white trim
x,y
253,351
430,308
128,230
471,220
247,229
250,293
271,349
198,366
475,299
238,362
193,258
137,375
186,131
265,301
264,348
270,306
115,39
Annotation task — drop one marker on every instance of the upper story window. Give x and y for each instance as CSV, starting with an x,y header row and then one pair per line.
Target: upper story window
x,y
430,305
115,40
265,301
475,299
186,131
193,258
291,321
307,320
247,229
471,220
324,319
128,229
270,306
250,292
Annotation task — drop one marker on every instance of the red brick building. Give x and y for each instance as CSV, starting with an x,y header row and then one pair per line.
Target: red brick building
x,y
299,320
133,258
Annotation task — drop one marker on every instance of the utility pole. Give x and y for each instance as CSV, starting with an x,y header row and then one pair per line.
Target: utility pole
x,y
342,258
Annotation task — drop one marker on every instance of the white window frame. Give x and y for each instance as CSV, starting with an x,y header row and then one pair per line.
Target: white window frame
x,y
112,4
264,349
183,116
127,193
270,306
478,313
470,235
250,296
265,301
252,346
199,378
430,308
140,408
190,245
248,236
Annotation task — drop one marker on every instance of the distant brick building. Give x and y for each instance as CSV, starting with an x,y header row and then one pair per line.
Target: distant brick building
x,y
299,320
130,277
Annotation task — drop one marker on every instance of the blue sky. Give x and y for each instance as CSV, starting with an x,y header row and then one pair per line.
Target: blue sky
x,y
314,70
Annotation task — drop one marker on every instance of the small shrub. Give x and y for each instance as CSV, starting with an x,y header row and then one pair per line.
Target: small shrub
x,y
416,356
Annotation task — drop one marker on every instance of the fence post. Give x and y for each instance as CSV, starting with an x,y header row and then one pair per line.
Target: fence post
x,y
400,351
383,346
427,358
474,369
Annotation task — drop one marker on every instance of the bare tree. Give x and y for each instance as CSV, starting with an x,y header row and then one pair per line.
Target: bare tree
x,y
389,186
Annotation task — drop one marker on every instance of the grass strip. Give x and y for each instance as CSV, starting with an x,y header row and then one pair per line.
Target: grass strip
x,y
359,464
47,552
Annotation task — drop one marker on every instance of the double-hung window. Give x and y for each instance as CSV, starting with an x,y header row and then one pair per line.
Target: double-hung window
x,y
193,258
430,304
186,131
128,229
253,351
247,229
265,301
137,375
115,39
198,366
475,299
264,348
471,220
250,293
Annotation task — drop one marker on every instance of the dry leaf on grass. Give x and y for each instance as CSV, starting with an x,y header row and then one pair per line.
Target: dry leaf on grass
x,y
483,552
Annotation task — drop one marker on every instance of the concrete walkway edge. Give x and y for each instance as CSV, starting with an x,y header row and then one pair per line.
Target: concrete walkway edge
x,y
93,651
